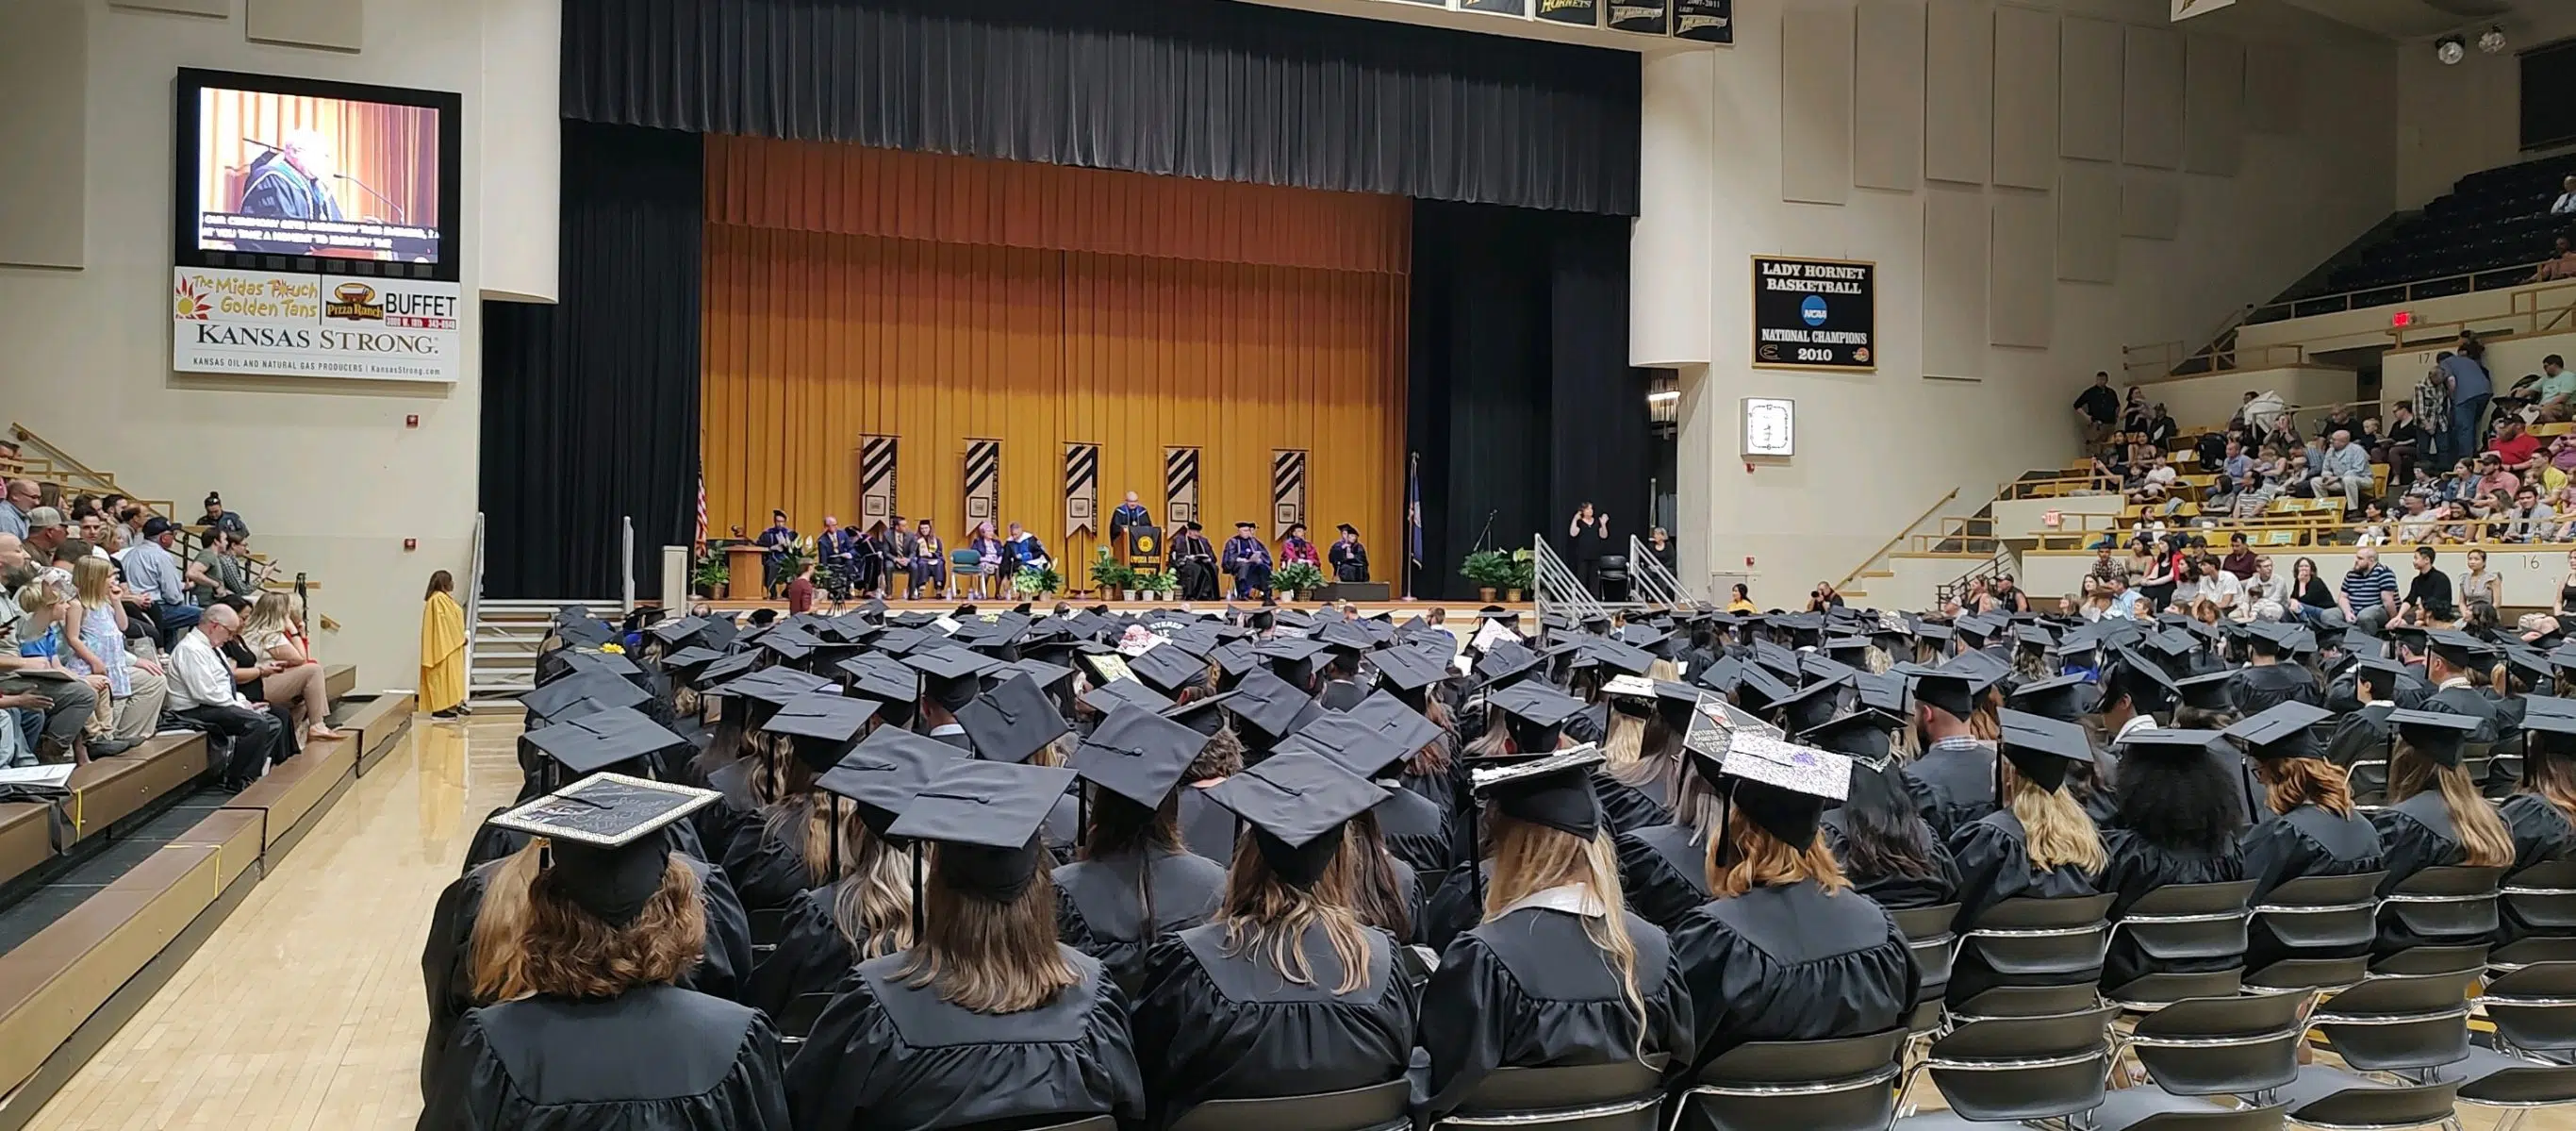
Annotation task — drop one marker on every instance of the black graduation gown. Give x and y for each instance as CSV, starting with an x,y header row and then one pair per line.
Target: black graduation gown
x,y
1994,865
1891,891
1958,785
1212,1026
2415,834
2306,841
890,1057
1790,962
1663,872
1530,989
652,1057
1193,561
446,961
767,873
1349,560
2138,867
2471,702
2541,835
1415,831
1207,828
2360,735
715,824
812,955
1454,907
2261,688
1098,908
1626,808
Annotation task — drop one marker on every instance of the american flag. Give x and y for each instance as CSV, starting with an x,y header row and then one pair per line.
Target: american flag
x,y
1413,511
700,542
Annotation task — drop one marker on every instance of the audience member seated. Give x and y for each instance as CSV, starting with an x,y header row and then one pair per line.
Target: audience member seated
x,y
217,573
2493,478
275,632
2515,447
129,528
217,518
2565,205
136,691
2155,484
2529,520
202,691
2371,529
46,532
2346,471
23,496
2561,263
35,683
2160,427
151,569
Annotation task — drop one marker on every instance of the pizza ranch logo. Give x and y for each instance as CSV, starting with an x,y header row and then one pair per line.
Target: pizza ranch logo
x,y
354,302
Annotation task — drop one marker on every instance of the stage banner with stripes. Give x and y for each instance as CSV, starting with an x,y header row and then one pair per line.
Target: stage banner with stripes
x,y
1287,490
1081,488
1180,486
876,480
983,485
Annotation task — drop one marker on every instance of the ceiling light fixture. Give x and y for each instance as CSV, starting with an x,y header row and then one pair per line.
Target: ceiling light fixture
x,y
2450,49
2491,40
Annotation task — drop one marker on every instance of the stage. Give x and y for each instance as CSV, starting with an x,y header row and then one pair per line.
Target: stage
x,y
1459,612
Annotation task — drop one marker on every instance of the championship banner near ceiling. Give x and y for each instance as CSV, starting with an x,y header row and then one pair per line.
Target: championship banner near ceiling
x,y
1081,488
1180,486
1287,490
983,482
283,324
1580,13
1815,314
876,479
1498,7
1652,17
1709,21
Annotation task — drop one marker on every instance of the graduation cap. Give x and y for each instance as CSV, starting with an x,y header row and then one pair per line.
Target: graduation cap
x,y
1012,721
2142,680
1885,692
1954,688
774,686
884,771
882,678
1351,744
2458,649
606,842
1346,637
1783,787
1169,669
584,631
2175,744
1758,689
790,643
1234,659
1125,692
1504,662
1392,720
1612,654
2285,730
1534,713
1296,802
1138,754
2042,750
1205,716
1409,669
2551,722
824,724
682,663
2387,676
951,673
985,816
1291,658
2211,692
2437,735
1861,735
611,663
592,742
728,668
2059,697
1270,704
1039,672
608,690
1554,790
2534,666
1811,705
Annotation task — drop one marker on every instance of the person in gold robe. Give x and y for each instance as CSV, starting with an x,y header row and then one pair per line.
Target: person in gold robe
x,y
442,649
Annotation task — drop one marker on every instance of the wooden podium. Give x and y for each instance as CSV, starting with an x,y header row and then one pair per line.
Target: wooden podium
x,y
742,572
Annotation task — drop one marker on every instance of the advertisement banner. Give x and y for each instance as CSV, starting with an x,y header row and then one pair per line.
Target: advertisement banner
x,y
1814,314
283,324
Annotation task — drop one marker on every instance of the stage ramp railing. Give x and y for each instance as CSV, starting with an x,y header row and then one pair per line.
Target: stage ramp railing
x,y
1649,583
1559,589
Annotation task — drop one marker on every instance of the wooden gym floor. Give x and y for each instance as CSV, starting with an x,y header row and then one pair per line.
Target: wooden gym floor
x,y
304,1011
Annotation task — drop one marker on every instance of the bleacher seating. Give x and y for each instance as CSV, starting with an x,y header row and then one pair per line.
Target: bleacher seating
x,y
2484,235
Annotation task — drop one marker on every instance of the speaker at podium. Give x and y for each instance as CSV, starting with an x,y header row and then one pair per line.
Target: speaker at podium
x,y
1145,546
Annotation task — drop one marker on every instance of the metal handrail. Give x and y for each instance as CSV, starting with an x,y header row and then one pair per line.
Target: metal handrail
x,y
2407,290
1648,580
1899,537
474,594
1555,585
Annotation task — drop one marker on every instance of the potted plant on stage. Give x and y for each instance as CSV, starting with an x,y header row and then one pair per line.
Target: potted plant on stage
x,y
1112,579
1491,570
708,577
1035,582
1158,586
1524,576
1295,578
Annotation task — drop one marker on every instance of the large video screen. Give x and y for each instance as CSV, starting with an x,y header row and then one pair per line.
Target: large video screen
x,y
323,171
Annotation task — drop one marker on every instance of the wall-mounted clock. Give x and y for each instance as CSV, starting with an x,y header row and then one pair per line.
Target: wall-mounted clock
x,y
1770,426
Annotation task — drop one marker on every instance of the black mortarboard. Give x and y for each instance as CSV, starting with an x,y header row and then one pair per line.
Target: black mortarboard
x,y
592,742
583,631
2458,649
612,663
1862,735
1292,658
1953,689
1169,669
1758,688
1811,705
884,771
1138,754
1205,716
1123,692
1039,672
882,678
2386,676
1616,656
1350,743
2042,750
2211,692
1389,717
1554,789
608,690
725,669
2437,735
2060,697
985,816
1783,787
2551,722
1268,703
1537,714
1504,662
1012,721
609,853
2285,730
2143,680
2176,744
951,673
678,630
1296,802
1234,658
825,725
1409,669
681,662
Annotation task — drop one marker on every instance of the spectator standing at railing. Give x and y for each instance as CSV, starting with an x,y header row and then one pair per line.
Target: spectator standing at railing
x,y
2471,389
2097,408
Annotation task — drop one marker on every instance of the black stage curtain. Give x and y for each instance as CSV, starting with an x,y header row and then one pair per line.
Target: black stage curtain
x,y
1199,88
590,406
1520,345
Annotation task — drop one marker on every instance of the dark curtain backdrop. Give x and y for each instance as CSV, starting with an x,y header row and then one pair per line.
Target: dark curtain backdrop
x,y
1201,88
590,405
1522,403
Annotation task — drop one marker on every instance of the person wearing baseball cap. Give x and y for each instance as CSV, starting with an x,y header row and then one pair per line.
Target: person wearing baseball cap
x,y
45,531
152,570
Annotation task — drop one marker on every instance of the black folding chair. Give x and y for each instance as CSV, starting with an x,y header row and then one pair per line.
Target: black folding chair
x,y
2017,1069
1622,1096
796,1019
2223,1046
2400,1023
2053,946
2452,903
2198,923
1378,1107
1831,1085
2327,923
2542,902
1929,939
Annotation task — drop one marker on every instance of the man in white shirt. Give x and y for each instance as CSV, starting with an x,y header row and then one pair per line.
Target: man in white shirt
x,y
202,691
2347,470
2220,588
2565,205
2267,596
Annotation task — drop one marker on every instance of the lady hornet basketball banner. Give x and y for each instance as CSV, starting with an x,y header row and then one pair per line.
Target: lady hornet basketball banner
x,y
983,481
1180,486
1814,314
1710,21
876,479
1287,490
1654,17
1081,488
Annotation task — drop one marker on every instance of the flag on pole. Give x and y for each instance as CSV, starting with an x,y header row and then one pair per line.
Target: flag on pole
x,y
1413,510
700,542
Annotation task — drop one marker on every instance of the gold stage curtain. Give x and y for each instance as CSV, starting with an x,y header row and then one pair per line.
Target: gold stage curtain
x,y
1034,335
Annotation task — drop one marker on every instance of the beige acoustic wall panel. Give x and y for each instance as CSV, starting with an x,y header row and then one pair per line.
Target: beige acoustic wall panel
x,y
2020,310
1887,111
2150,205
1816,103
1954,282
44,182
2272,88
335,25
2151,98
2088,222
2088,68
2213,105
1958,91
2025,97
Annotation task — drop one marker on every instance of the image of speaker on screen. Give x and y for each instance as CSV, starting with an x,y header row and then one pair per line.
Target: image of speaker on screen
x,y
344,178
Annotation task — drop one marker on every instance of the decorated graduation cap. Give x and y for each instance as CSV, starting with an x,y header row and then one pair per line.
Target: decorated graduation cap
x,y
1012,721
607,690
2283,731
1535,714
2458,649
606,839
1169,669
825,726
1387,716
2214,691
1554,789
2437,735
2062,698
1296,802
949,673
884,771
985,817
1138,754
1781,787
2041,750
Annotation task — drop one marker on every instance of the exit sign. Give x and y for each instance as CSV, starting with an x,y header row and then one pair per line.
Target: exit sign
x,y
2402,319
